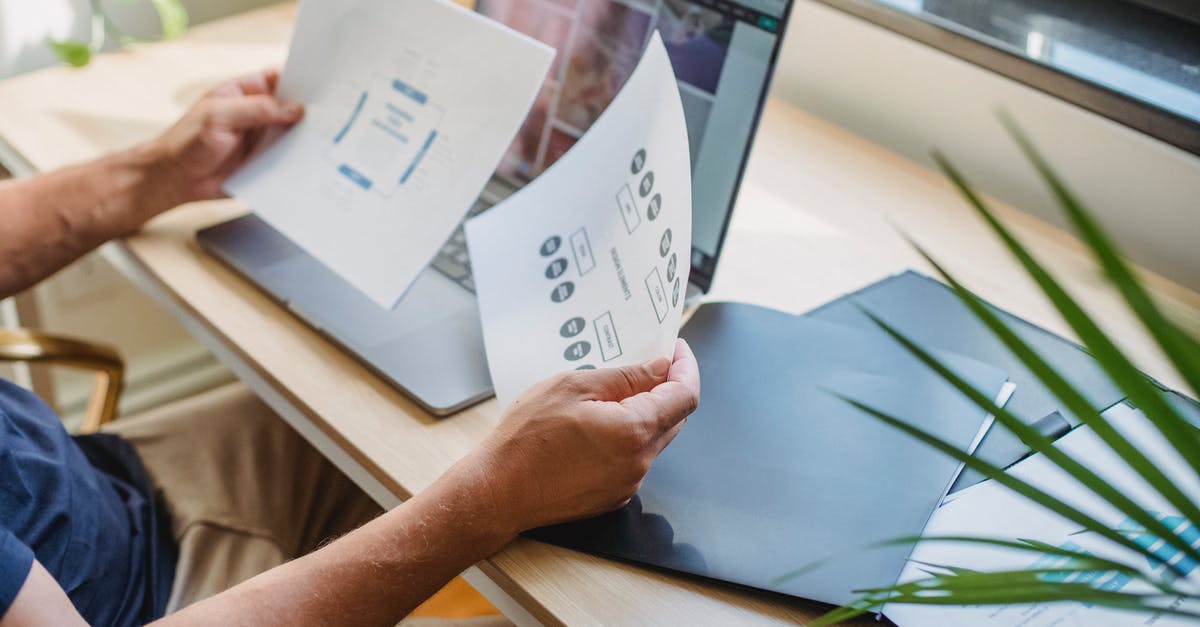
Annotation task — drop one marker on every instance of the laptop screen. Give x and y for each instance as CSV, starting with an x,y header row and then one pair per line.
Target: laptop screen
x,y
722,51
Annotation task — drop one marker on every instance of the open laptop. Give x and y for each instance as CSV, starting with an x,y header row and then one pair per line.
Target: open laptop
x,y
430,345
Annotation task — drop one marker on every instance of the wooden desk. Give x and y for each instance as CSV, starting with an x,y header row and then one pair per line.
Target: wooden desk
x,y
817,217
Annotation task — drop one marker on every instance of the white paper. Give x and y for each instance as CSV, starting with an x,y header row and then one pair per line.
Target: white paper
x,y
991,510
587,266
410,104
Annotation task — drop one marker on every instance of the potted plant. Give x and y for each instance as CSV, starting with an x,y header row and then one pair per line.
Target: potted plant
x,y
78,53
1068,580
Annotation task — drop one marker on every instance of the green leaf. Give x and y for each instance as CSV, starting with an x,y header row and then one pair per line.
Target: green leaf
x,y
1003,588
1141,392
173,15
1182,349
1011,588
73,53
952,577
1019,486
1041,444
1080,561
952,585
1079,558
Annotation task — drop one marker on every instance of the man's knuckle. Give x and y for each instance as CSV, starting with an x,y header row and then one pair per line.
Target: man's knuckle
x,y
562,383
691,403
205,109
640,437
573,381
631,380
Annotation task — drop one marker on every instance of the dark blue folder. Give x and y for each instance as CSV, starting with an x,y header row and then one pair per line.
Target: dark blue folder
x,y
774,473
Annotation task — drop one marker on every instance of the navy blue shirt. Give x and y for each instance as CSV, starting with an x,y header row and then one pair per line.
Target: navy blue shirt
x,y
85,508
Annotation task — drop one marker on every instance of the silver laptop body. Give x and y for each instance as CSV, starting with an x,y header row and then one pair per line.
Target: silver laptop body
x,y
430,346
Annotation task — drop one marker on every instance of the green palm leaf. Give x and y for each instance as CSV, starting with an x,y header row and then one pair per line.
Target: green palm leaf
x,y
1086,561
1073,400
1041,444
952,585
1022,587
1019,486
1141,392
1182,349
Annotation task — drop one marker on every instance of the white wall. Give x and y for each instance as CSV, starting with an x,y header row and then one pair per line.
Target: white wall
x,y
26,24
910,98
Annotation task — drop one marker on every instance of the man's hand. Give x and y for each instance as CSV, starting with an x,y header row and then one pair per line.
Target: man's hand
x,y
580,443
217,135
49,220
574,445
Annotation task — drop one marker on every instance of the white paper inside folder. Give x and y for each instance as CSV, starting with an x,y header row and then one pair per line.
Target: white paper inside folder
x,y
991,510
587,266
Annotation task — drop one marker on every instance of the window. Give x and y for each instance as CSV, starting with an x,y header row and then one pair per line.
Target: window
x,y
1134,61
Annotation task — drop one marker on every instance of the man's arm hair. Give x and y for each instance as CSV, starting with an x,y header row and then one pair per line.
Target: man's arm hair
x,y
374,575
575,445
48,221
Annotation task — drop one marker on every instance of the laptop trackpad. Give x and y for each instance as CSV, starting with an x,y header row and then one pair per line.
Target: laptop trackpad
x,y
325,300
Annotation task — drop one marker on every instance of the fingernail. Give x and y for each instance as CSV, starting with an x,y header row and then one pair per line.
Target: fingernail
x,y
292,109
659,367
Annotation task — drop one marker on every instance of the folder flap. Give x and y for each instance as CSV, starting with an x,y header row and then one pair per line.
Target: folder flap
x,y
774,472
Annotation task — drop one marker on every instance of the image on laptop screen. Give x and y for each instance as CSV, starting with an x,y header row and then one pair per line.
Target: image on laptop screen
x,y
722,52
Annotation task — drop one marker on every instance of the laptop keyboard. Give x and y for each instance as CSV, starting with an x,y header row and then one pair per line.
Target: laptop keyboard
x,y
453,260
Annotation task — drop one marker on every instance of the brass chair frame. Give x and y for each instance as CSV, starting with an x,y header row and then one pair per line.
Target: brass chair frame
x,y
24,345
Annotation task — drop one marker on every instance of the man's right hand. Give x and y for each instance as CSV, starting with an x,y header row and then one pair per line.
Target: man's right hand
x,y
575,445
580,443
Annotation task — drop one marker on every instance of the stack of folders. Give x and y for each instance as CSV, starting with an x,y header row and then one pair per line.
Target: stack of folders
x,y
779,483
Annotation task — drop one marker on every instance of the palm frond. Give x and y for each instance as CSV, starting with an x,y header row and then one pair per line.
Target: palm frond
x,y
1141,392
1020,587
1020,486
1182,349
954,585
1038,443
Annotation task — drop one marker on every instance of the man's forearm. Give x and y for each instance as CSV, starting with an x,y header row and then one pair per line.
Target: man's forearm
x,y
377,574
575,445
48,221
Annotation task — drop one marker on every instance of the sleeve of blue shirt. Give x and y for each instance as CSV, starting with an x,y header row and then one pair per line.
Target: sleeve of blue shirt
x,y
16,560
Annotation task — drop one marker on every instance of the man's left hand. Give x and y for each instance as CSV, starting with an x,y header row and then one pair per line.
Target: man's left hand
x,y
220,132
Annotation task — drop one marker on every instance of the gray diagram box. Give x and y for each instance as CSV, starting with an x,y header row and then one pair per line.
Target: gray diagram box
x,y
606,337
581,246
658,294
628,209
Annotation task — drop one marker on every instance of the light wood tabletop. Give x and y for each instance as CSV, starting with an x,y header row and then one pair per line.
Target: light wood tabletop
x,y
820,213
